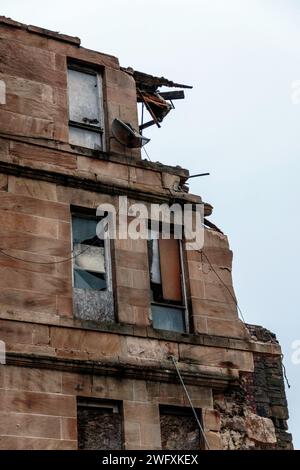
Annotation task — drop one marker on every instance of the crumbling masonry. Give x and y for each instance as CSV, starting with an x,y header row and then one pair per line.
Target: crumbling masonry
x,y
89,333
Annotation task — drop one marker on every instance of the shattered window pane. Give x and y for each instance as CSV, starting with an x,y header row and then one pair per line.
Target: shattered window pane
x,y
92,294
89,280
89,258
84,229
89,255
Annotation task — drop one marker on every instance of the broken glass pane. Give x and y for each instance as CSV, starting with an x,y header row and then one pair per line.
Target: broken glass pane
x,y
89,258
84,231
89,255
89,280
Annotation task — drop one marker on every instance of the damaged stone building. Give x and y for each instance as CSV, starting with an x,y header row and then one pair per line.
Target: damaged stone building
x,y
94,331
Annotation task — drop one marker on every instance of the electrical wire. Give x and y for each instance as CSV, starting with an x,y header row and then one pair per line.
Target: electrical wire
x,y
199,251
240,311
223,283
55,262
33,137
147,154
284,372
190,401
49,262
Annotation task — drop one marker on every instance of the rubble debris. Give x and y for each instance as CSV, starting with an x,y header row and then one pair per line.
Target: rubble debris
x,y
155,101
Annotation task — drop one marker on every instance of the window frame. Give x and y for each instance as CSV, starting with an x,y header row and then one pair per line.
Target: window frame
x,y
184,306
89,69
107,251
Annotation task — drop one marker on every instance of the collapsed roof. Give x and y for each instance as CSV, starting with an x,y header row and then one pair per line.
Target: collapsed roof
x,y
157,103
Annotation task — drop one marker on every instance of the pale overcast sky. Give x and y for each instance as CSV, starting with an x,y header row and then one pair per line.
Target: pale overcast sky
x,y
238,123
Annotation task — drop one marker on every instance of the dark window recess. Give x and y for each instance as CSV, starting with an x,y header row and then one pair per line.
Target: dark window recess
x,y
99,425
169,310
85,107
179,429
92,295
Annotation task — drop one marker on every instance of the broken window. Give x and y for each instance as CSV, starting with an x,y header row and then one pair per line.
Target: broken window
x,y
179,429
86,120
99,425
168,296
92,281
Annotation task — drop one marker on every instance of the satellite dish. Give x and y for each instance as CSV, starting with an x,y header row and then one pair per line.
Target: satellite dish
x,y
126,135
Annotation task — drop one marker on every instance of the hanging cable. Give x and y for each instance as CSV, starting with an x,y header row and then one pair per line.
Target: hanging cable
x,y
147,154
49,262
223,283
241,313
190,402
55,262
284,372
142,120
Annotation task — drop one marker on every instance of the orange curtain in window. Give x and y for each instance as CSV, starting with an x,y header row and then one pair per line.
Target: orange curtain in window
x,y
170,269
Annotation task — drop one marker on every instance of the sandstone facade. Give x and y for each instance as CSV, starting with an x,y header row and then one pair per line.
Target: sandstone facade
x,y
55,362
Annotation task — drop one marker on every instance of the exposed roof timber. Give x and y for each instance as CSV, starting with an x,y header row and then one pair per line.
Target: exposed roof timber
x,y
145,81
172,95
155,104
155,101
168,95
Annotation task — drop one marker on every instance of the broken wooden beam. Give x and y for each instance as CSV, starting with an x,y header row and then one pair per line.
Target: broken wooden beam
x,y
172,95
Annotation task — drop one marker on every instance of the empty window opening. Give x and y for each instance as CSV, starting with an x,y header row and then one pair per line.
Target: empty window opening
x,y
86,119
99,425
179,429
